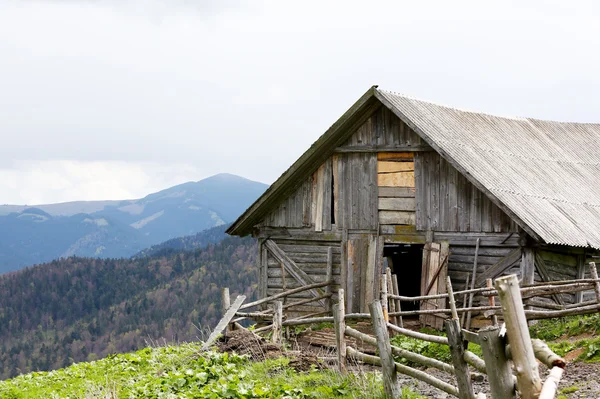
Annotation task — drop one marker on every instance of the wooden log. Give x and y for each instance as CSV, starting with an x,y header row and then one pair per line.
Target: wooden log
x,y
551,384
457,350
402,369
491,301
502,382
390,289
526,368
224,322
473,278
396,291
390,380
226,304
464,302
451,299
408,355
286,293
543,353
475,361
329,277
277,322
594,274
415,334
339,320
384,297
312,320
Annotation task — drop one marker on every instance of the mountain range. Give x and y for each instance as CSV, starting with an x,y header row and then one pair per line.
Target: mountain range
x,y
112,229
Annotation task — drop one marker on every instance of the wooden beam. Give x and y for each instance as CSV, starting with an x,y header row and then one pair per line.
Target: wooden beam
x,y
499,268
390,379
373,148
292,268
502,382
457,350
224,322
540,265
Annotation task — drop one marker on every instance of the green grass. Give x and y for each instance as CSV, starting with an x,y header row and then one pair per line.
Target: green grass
x,y
180,372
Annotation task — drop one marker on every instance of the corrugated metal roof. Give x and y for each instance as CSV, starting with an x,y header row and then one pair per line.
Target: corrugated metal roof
x,y
546,173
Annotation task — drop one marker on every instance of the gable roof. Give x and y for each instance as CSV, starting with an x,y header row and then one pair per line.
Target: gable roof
x,y
543,174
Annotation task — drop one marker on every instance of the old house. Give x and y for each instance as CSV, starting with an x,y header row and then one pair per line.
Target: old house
x,y
414,185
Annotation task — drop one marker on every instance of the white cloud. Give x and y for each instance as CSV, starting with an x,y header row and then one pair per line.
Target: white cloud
x,y
246,87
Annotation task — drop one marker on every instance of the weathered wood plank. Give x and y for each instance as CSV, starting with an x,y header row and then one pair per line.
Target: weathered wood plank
x,y
397,217
222,325
387,156
327,194
398,179
393,167
396,192
397,204
499,268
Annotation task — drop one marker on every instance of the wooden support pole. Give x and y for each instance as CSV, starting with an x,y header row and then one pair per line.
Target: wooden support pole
x,y
277,322
339,319
226,304
329,277
390,380
526,368
594,275
451,299
464,303
473,279
502,382
396,291
384,297
543,353
418,335
457,350
390,290
492,300
580,275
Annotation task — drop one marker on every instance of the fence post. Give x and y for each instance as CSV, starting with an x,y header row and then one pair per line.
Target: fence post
x,y
277,322
502,384
491,300
473,278
594,274
528,378
384,297
390,290
461,369
396,291
390,381
339,319
329,277
226,304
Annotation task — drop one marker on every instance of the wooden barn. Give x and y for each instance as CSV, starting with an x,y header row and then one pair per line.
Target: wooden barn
x,y
425,189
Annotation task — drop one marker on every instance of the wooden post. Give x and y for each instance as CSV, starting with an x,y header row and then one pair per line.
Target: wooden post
x,y
580,276
384,297
473,279
390,381
502,383
528,378
464,303
451,299
527,266
390,290
594,275
277,322
492,300
226,304
461,369
339,318
551,384
329,277
396,291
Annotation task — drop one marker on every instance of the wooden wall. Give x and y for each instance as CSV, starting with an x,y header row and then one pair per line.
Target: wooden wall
x,y
447,201
357,191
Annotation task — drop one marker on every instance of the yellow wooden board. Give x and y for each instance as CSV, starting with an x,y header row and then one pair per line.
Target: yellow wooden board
x,y
398,179
387,167
394,155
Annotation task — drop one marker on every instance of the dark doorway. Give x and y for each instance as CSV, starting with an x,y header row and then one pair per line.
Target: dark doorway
x,y
405,261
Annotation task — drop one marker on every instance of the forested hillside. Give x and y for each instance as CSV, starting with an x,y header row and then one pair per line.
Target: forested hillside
x,y
79,309
187,243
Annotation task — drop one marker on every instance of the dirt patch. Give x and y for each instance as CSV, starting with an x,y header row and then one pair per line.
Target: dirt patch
x,y
574,354
244,342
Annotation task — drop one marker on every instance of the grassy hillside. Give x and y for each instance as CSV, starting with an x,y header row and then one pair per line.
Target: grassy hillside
x,y
81,309
182,372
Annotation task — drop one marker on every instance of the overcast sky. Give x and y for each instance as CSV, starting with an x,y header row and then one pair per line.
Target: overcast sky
x,y
116,99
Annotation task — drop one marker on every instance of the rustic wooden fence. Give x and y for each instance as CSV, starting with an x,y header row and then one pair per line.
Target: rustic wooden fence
x,y
509,353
